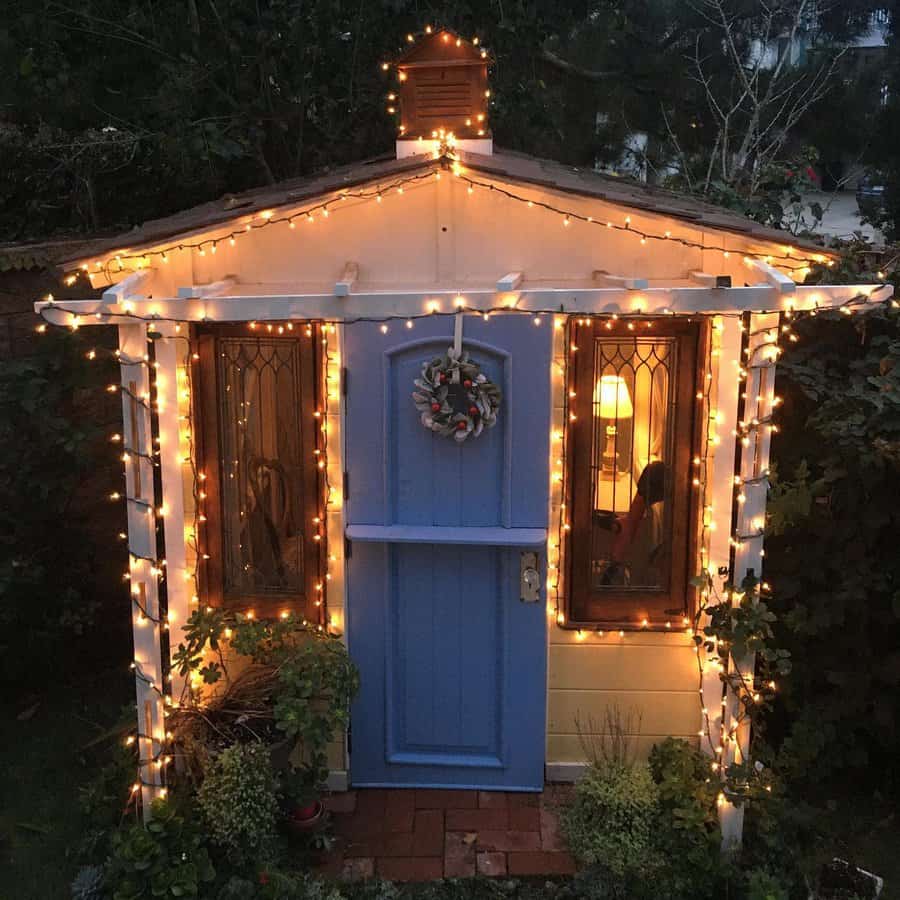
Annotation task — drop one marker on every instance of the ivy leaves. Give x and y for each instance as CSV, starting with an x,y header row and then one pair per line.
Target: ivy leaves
x,y
738,637
312,678
831,550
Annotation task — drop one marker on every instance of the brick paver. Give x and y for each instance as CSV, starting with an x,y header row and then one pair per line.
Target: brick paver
x,y
491,864
422,835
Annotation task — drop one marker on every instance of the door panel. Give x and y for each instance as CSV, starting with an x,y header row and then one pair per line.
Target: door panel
x,y
377,395
445,688
437,481
453,664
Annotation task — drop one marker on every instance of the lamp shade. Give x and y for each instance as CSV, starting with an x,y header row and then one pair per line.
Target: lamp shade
x,y
613,398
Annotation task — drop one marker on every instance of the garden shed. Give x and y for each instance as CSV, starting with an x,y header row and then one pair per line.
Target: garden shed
x,y
484,415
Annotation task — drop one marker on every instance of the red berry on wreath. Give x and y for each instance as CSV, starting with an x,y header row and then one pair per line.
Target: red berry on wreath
x,y
473,410
467,383
435,407
443,376
460,426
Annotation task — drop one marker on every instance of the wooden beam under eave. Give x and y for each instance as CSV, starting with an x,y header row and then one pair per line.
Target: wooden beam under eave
x,y
620,281
706,279
343,287
127,287
509,282
784,284
213,289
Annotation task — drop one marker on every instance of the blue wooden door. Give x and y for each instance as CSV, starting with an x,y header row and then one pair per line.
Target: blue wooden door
x,y
453,663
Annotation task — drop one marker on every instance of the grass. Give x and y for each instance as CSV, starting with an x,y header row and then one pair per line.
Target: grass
x,y
44,758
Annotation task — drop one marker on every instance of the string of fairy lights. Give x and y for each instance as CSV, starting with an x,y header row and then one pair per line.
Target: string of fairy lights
x,y
738,690
447,37
159,754
160,749
320,211
160,758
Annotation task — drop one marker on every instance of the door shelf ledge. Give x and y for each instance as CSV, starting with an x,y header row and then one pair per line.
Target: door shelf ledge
x,y
445,534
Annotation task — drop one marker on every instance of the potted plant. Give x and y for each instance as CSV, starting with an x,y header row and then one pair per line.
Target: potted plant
x,y
300,791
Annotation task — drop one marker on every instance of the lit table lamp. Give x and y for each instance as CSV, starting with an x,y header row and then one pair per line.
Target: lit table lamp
x,y
613,402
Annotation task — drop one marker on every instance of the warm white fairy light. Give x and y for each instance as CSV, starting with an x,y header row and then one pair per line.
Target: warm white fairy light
x,y
269,218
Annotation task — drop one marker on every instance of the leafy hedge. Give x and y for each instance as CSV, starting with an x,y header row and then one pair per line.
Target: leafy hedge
x,y
59,560
832,553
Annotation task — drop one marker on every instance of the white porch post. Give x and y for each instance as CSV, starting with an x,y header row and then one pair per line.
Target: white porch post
x,y
172,352
750,523
719,478
137,442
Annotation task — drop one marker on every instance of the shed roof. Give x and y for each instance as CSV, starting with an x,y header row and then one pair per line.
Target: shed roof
x,y
442,47
507,165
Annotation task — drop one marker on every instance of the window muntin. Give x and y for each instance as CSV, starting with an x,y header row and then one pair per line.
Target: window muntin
x,y
632,394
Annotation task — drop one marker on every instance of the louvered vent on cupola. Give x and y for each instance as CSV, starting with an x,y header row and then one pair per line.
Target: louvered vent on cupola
x,y
443,88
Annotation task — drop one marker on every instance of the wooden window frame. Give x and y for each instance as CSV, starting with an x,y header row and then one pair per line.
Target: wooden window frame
x,y
208,436
631,609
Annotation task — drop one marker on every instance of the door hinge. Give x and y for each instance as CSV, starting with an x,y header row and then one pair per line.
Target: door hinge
x,y
346,485
344,378
349,740
348,548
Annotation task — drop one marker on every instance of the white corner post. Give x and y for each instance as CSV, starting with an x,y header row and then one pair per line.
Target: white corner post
x,y
144,571
720,491
172,360
755,431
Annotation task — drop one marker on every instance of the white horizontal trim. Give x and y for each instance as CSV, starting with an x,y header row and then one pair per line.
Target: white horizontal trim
x,y
436,534
390,304
338,781
566,772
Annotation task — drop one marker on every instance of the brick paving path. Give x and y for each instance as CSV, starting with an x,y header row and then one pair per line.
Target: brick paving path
x,y
421,835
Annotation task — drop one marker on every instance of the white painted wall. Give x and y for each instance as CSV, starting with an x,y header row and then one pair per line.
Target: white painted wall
x,y
436,234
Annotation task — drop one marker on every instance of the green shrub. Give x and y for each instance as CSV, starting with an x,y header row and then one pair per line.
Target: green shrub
x,y
762,885
240,804
686,833
649,830
277,885
305,675
610,819
166,859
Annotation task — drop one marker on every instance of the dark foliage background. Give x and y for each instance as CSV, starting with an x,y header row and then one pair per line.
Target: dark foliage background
x,y
832,555
63,607
115,111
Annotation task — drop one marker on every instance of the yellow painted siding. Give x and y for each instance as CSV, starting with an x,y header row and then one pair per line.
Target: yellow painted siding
x,y
617,665
651,677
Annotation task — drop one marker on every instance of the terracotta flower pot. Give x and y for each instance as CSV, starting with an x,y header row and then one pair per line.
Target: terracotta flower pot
x,y
303,819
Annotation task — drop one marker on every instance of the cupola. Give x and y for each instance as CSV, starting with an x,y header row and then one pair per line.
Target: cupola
x,y
442,89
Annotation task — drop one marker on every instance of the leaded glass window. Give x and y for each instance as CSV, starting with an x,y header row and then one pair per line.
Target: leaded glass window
x,y
632,396
259,441
261,465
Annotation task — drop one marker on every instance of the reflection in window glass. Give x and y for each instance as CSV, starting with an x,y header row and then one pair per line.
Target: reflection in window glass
x,y
261,465
631,458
